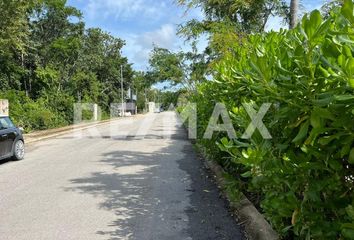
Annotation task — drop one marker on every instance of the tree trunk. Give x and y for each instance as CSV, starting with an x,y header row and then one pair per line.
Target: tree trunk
x,y
294,7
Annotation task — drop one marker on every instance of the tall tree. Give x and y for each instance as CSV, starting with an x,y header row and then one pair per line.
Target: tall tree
x,y
166,65
185,69
330,7
14,33
225,23
245,16
56,41
47,56
294,8
14,24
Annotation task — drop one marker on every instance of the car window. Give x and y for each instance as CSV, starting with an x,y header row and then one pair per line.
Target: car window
x,y
6,123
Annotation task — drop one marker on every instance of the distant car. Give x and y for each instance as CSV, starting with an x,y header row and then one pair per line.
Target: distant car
x,y
12,144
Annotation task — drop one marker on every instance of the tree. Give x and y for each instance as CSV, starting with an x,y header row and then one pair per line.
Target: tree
x,y
101,56
14,34
331,7
226,22
14,25
294,8
56,40
185,69
166,66
47,55
243,16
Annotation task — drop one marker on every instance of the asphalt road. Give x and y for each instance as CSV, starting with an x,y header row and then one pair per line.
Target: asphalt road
x,y
136,178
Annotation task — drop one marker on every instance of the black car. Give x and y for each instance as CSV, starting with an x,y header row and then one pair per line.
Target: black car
x,y
12,143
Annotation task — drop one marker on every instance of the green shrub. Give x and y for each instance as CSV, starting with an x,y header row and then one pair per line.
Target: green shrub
x,y
30,114
304,174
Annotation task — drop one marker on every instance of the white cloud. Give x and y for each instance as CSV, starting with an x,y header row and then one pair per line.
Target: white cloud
x,y
139,46
124,9
141,23
164,37
312,5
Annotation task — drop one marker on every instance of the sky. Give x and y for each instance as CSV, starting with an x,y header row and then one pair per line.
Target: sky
x,y
143,23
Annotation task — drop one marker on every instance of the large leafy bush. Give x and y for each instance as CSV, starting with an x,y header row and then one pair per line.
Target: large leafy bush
x,y
304,175
33,115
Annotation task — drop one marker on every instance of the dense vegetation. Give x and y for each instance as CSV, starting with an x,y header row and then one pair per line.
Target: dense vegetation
x,y
49,60
302,178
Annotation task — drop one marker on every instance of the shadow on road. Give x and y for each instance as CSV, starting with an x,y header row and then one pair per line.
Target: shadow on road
x,y
123,192
161,194
209,215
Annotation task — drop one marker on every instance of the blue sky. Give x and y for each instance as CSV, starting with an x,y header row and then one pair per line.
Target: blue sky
x,y
143,23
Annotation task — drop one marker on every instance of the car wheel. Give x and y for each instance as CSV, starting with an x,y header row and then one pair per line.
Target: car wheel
x,y
19,150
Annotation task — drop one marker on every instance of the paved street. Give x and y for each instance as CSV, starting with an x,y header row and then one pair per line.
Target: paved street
x,y
124,180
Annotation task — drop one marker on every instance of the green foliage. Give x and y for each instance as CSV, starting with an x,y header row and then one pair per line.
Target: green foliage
x,y
52,61
225,23
14,26
166,65
182,69
31,114
169,99
304,174
245,16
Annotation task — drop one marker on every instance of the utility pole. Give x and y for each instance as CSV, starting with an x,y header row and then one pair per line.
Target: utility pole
x,y
122,88
146,102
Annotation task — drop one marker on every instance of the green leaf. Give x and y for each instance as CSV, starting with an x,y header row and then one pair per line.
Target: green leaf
x,y
350,211
241,144
341,60
245,155
351,82
246,174
323,113
315,18
349,67
302,132
348,233
334,164
347,51
324,72
316,120
327,139
351,156
345,39
314,134
323,102
345,150
343,97
322,29
347,10
313,23
348,225
224,141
